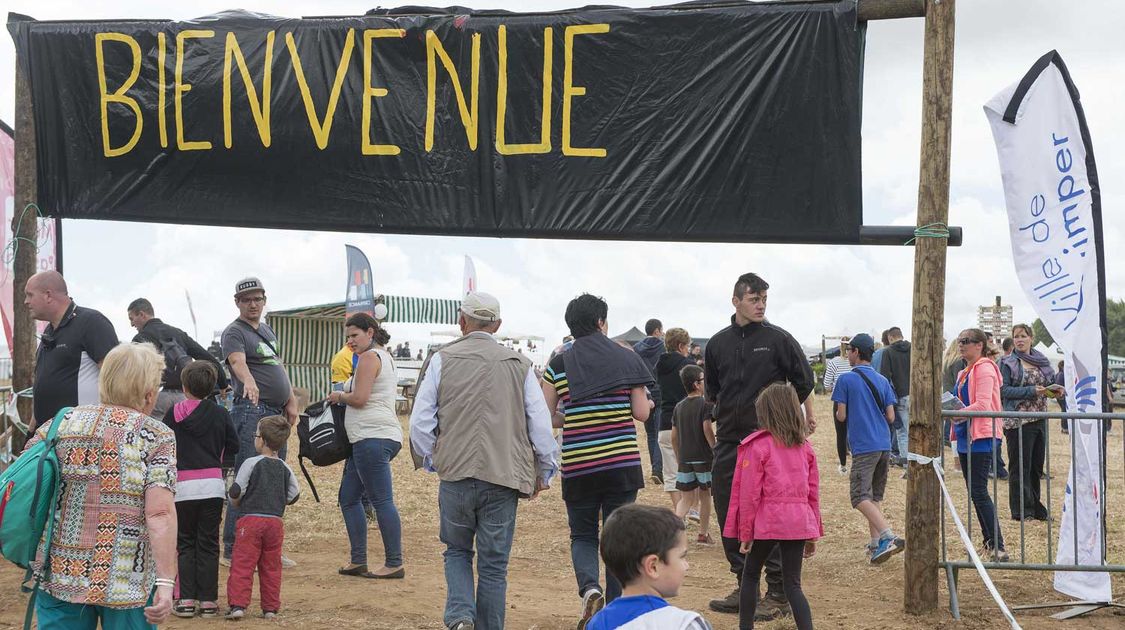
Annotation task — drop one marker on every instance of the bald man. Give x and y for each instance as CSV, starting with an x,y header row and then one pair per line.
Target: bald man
x,y
71,348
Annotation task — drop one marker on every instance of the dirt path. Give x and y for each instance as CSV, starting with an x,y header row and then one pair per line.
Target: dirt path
x,y
844,591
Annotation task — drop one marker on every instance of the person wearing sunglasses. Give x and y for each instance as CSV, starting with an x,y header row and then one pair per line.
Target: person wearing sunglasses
x,y
978,439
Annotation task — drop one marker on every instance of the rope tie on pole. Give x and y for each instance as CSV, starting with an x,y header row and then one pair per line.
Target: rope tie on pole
x,y
930,230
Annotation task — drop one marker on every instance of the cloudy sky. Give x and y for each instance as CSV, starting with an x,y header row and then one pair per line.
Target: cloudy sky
x,y
815,289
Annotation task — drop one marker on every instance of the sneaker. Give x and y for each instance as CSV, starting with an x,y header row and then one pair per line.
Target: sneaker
x,y
286,563
236,612
728,604
693,515
225,561
1003,476
463,625
842,470
987,554
656,479
770,608
592,602
705,539
269,614
886,548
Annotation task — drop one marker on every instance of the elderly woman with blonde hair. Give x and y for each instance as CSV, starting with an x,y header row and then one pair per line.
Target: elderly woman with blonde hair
x,y
115,527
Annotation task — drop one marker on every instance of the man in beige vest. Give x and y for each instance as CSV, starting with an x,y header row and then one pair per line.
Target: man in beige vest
x,y
481,423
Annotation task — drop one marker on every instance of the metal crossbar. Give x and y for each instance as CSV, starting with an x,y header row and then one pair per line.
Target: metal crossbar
x,y
1020,562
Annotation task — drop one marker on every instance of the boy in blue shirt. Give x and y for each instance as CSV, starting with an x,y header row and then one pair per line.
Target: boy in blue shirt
x,y
645,547
867,403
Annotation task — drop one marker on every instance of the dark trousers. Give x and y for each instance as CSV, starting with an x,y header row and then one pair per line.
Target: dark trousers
x,y
792,554
722,476
652,437
197,541
841,437
583,516
976,478
1026,457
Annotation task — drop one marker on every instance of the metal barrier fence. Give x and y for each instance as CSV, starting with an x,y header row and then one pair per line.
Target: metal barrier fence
x,y
1020,560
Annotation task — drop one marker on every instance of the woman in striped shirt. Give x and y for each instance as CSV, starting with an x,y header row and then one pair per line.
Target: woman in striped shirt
x,y
602,389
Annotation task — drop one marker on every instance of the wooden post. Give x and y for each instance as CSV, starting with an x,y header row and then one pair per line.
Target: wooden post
x,y
26,259
923,493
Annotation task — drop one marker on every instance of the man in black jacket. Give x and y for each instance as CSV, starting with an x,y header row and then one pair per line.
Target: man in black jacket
x,y
152,330
896,367
740,361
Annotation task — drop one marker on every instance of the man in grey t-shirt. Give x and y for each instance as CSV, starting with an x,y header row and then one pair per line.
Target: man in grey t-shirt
x,y
261,386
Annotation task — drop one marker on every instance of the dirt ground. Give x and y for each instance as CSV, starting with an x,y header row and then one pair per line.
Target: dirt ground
x,y
844,591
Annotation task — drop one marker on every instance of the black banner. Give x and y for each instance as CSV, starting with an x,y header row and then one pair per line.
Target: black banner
x,y
736,122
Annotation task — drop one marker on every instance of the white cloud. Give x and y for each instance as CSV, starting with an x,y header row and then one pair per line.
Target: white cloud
x,y
815,290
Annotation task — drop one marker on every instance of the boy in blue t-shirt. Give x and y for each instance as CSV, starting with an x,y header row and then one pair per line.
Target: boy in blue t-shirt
x,y
645,547
867,403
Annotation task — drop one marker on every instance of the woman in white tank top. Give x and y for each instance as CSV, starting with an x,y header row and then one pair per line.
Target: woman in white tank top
x,y
376,436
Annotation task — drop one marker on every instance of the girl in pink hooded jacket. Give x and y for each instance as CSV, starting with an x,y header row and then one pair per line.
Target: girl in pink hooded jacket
x,y
775,501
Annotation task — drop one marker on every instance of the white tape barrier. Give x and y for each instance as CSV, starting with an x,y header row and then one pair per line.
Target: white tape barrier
x,y
965,537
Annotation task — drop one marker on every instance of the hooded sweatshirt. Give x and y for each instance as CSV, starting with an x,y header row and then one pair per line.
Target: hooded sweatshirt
x,y
896,367
671,387
205,436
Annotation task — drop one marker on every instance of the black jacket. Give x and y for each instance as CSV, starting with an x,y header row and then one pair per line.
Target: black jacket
x,y
739,362
672,391
206,438
896,366
155,330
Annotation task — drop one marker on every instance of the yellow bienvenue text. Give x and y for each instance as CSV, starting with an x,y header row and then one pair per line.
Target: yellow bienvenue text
x,y
124,100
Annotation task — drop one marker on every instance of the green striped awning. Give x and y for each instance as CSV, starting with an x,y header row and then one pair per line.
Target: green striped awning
x,y
308,336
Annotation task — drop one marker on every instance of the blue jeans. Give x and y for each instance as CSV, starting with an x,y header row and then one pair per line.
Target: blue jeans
x,y
56,614
368,471
245,416
474,509
582,516
902,425
977,481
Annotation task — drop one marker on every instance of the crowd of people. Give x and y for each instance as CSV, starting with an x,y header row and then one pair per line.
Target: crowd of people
x,y
726,427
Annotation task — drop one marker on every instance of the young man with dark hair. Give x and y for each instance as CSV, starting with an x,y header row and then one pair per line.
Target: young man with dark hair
x,y
740,361
646,547
650,349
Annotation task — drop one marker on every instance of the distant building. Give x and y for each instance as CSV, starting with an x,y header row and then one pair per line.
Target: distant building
x,y
995,319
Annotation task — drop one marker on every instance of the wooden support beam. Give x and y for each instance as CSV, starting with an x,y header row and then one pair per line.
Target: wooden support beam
x,y
26,258
868,10
922,491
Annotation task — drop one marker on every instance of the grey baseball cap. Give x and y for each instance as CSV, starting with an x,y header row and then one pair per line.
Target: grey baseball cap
x,y
247,285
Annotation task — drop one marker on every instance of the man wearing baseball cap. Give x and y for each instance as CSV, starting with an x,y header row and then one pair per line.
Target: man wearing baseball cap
x,y
261,386
867,402
491,446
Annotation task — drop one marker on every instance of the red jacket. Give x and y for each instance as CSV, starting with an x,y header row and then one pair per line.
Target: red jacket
x,y
776,492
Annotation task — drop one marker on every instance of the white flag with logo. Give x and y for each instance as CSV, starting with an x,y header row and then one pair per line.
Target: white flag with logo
x,y
1054,215
470,279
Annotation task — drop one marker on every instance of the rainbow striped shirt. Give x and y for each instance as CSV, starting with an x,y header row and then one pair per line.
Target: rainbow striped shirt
x,y
599,448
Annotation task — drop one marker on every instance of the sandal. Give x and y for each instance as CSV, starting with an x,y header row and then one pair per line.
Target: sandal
x,y
209,610
358,570
184,608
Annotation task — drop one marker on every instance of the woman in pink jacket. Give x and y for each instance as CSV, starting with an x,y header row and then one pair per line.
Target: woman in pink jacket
x,y
775,501
978,439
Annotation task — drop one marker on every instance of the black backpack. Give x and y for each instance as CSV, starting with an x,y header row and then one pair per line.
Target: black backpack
x,y
176,358
323,438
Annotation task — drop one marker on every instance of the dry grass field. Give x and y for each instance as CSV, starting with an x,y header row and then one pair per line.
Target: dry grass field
x,y
844,591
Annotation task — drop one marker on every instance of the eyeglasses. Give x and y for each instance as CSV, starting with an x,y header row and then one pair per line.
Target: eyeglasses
x,y
964,341
699,380
261,299
257,435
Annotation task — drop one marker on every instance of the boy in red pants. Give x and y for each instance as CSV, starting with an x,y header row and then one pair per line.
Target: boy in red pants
x,y
262,488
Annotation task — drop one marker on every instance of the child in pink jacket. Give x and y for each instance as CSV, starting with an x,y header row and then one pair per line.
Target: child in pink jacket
x,y
775,501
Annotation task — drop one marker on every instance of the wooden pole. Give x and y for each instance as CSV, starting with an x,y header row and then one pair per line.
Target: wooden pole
x,y
26,258
922,490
